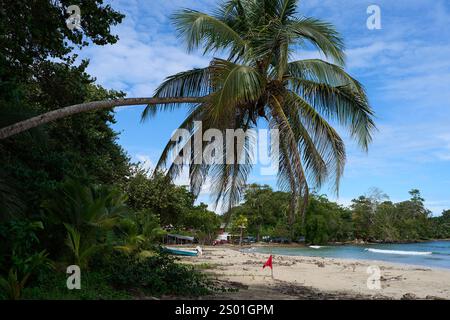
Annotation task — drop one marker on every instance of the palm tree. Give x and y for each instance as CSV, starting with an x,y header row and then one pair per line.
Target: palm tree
x,y
257,82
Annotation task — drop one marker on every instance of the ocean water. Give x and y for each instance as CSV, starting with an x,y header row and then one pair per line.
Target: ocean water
x,y
434,254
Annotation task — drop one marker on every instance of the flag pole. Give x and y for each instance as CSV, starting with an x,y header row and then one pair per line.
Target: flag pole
x,y
271,269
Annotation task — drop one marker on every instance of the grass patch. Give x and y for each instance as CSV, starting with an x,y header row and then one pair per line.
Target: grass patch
x,y
205,266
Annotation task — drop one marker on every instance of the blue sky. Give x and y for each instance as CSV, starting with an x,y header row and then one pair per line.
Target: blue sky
x,y
405,68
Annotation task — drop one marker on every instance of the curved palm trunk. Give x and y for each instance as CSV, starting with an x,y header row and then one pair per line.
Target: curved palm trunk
x,y
84,107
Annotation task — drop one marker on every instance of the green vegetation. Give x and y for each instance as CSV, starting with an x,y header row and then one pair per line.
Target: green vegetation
x,y
116,247
369,218
95,286
68,192
440,226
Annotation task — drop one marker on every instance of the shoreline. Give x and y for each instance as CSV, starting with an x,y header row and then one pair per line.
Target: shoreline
x,y
366,261
353,242
304,277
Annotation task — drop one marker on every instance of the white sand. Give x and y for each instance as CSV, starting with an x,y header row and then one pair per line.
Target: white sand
x,y
317,278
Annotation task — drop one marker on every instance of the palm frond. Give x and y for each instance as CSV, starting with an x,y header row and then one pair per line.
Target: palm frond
x,y
73,240
322,35
187,124
286,9
198,29
234,14
229,177
312,155
340,103
191,83
287,134
234,84
324,138
286,176
321,71
291,152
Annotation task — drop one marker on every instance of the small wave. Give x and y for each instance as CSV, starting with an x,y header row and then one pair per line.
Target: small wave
x,y
413,253
439,247
441,253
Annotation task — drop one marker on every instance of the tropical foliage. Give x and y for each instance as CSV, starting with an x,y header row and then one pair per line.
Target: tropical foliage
x,y
440,226
371,217
68,192
93,227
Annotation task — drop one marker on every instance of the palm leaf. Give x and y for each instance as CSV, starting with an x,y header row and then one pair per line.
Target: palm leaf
x,y
340,103
191,83
325,139
286,9
290,153
187,124
233,84
198,28
323,72
322,35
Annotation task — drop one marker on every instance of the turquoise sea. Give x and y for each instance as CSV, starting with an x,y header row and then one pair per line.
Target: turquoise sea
x,y
434,254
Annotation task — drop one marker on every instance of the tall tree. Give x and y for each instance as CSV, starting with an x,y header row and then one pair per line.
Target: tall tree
x,y
258,199
363,217
258,83
33,31
38,74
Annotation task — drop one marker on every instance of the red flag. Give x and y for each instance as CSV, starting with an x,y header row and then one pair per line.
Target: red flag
x,y
268,263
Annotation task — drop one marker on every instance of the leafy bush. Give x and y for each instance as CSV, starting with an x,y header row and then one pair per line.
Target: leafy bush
x,y
19,256
137,232
94,286
12,285
157,275
82,216
18,240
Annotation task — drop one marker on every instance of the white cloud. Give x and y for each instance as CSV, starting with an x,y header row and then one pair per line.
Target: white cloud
x,y
373,55
145,54
145,161
437,207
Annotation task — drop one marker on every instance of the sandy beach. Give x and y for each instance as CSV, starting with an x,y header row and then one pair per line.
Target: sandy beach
x,y
316,278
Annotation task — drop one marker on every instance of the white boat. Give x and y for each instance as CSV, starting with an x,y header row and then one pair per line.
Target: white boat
x,y
181,252
315,247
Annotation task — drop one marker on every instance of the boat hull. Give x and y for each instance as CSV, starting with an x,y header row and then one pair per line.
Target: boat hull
x,y
181,252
